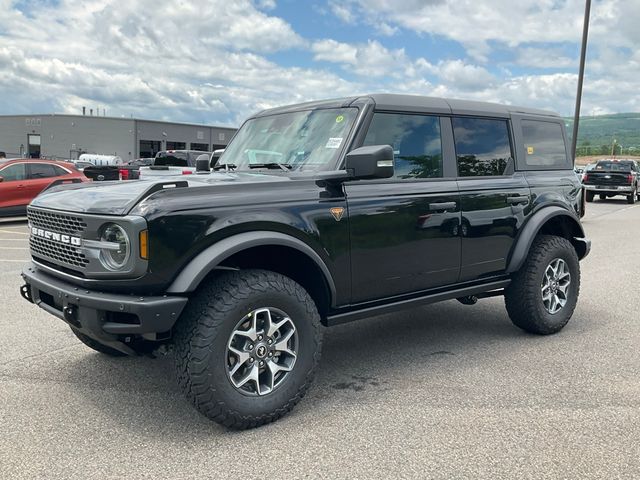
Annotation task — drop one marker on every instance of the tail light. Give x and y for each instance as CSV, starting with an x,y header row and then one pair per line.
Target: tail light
x,y
186,172
630,179
585,178
124,174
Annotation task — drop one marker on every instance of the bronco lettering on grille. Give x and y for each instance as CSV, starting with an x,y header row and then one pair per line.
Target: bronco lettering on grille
x,y
56,237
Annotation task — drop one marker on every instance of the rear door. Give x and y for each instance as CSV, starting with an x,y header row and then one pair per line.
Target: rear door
x,y
495,199
405,229
12,187
39,176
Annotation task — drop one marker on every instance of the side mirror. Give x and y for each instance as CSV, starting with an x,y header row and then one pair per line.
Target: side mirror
x,y
215,156
202,163
375,161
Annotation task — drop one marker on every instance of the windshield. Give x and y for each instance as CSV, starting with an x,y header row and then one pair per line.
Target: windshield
x,y
307,139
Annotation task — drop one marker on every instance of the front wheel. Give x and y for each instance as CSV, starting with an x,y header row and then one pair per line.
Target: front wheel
x,y
589,196
544,292
247,346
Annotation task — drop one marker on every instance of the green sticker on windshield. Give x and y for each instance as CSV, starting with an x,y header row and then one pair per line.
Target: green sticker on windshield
x,y
339,118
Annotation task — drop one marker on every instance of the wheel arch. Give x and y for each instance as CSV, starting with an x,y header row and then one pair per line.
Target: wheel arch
x,y
262,249
551,220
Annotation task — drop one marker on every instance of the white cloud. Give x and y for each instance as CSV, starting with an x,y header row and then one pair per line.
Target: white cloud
x,y
214,61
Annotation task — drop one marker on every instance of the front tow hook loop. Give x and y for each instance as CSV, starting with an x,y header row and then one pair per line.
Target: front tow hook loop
x,y
25,292
69,314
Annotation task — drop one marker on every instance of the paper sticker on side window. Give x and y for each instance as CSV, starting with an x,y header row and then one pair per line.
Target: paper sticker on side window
x,y
333,142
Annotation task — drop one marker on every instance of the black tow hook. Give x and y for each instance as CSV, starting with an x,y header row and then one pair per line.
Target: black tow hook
x,y
25,292
70,314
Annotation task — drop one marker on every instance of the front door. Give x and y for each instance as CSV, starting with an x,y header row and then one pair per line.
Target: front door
x,y
495,199
405,230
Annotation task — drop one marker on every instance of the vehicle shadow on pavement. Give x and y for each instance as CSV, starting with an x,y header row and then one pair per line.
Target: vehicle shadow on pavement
x,y
358,358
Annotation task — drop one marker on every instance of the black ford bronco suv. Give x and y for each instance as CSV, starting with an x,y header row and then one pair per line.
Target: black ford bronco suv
x,y
316,214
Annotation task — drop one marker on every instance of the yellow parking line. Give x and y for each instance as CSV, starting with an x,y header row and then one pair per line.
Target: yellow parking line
x,y
14,231
13,261
14,248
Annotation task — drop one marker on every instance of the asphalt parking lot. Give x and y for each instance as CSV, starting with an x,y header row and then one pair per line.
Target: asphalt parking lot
x,y
445,391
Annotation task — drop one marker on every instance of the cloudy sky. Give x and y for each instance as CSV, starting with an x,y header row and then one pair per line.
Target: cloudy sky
x,y
217,61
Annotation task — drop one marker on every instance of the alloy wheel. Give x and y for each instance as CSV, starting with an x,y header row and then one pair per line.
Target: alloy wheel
x,y
555,286
261,351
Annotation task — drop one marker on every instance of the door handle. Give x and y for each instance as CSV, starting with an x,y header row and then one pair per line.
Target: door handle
x,y
517,200
434,207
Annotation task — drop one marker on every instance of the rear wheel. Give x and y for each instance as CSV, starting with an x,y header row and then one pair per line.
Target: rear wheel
x,y
631,199
247,347
589,195
544,292
97,346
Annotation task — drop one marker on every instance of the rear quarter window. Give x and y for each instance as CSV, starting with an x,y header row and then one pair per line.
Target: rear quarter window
x,y
544,147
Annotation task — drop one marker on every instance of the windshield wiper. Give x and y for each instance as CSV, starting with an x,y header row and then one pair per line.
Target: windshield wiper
x,y
275,165
226,166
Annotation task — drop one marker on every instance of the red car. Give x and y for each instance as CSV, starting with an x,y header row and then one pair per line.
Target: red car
x,y
22,180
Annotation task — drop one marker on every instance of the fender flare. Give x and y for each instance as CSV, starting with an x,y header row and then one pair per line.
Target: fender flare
x,y
207,260
534,225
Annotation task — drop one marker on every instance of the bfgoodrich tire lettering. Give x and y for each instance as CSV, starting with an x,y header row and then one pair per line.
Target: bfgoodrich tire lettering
x,y
524,296
203,336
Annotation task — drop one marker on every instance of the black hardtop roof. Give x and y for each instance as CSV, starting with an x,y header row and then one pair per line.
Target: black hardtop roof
x,y
417,104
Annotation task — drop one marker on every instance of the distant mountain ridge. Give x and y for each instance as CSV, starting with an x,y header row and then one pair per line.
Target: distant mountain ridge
x,y
596,134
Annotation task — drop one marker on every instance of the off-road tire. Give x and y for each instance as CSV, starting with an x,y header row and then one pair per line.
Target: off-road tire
x,y
631,199
589,196
603,196
204,329
523,296
97,346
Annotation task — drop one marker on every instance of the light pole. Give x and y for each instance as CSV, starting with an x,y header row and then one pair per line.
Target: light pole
x,y
583,55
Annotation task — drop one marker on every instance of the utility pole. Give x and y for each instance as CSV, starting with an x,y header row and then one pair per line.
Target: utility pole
x,y
583,55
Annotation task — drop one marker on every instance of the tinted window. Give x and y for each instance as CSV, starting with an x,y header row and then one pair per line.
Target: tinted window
x,y
41,170
416,143
59,171
544,144
482,146
14,172
173,159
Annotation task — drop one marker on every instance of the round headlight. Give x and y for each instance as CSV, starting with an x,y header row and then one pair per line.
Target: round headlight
x,y
115,255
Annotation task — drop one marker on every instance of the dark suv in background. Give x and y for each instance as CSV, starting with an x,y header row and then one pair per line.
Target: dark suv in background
x,y
327,212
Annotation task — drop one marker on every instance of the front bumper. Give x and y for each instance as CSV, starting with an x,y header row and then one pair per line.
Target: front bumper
x,y
614,189
115,320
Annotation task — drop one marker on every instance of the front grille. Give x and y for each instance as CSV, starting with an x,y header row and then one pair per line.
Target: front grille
x,y
52,250
58,252
56,222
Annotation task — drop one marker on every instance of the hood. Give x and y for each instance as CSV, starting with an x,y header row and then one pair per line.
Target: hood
x,y
120,197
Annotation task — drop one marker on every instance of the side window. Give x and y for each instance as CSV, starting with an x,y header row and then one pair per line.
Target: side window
x,y
416,142
483,147
41,170
14,172
59,171
544,145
